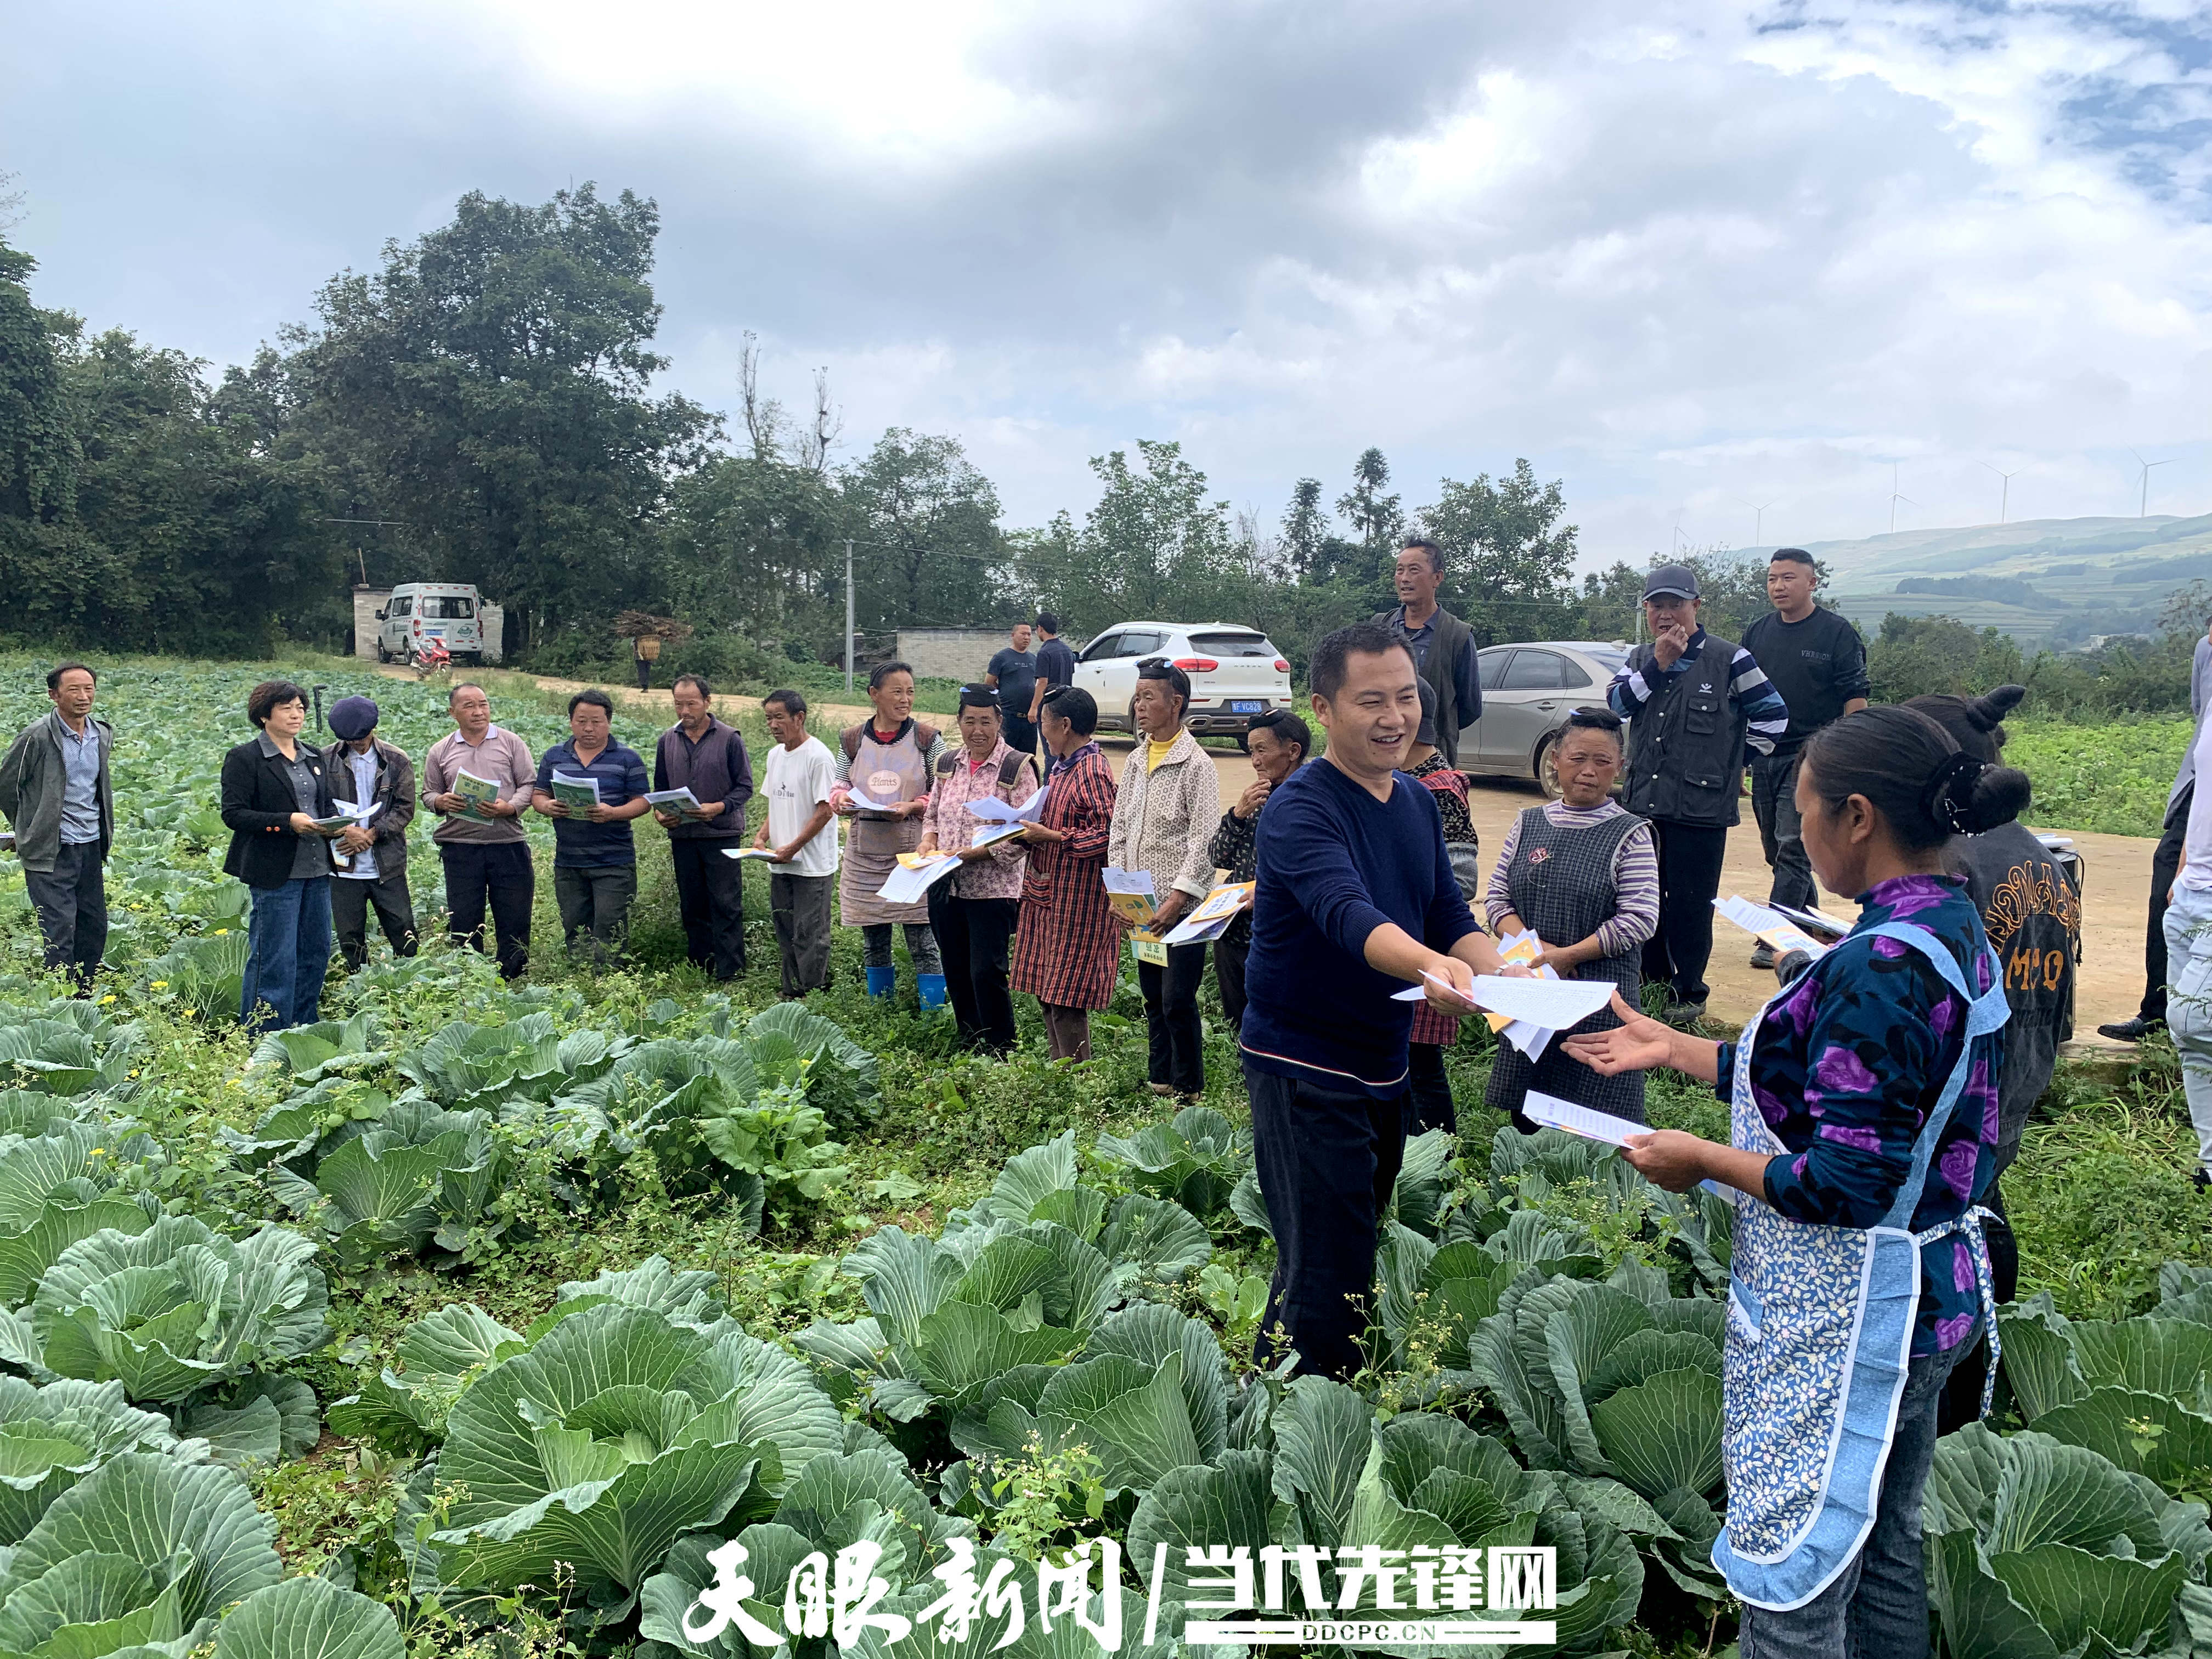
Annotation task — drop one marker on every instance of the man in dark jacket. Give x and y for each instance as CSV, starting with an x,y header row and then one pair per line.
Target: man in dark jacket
x,y
1443,646
1818,665
702,754
1694,703
371,857
54,789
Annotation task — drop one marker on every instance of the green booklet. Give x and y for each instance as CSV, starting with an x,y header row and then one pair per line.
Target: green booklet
x,y
576,794
476,794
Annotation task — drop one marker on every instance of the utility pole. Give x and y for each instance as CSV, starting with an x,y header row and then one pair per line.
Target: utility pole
x,y
848,614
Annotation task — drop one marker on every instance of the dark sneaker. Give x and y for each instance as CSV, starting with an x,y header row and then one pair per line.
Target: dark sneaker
x,y
1763,955
2134,1029
1683,1015
2204,1179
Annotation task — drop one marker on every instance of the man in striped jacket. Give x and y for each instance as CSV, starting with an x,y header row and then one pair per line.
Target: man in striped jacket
x,y
1694,703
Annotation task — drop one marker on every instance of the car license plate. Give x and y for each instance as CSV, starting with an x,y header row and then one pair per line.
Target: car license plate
x,y
1246,706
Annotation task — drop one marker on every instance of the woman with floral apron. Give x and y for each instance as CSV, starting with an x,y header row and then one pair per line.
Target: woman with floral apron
x,y
889,758
1863,1123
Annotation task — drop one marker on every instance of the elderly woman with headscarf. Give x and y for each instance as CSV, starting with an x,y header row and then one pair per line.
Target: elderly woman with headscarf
x,y
1068,952
974,911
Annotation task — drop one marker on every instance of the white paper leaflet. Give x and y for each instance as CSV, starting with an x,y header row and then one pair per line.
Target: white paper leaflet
x,y
997,811
909,883
1770,927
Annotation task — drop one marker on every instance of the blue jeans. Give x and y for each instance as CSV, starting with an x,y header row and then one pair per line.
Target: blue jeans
x,y
289,953
2189,1005
1877,1608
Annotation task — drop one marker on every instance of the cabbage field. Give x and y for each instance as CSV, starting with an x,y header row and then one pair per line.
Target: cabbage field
x,y
487,1320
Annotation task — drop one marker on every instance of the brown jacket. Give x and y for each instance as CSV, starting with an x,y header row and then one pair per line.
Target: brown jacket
x,y
395,788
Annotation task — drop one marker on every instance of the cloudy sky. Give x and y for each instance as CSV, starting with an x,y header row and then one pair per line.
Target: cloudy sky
x,y
1688,257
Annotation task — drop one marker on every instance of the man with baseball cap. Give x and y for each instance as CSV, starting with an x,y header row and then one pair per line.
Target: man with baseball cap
x,y
1694,703
369,858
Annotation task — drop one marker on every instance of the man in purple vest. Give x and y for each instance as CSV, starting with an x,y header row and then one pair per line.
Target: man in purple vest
x,y
701,754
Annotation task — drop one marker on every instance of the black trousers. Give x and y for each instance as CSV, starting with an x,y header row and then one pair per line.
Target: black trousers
x,y
350,902
1228,959
1430,1100
1690,858
1326,1162
1961,1402
2164,864
973,936
499,874
1021,736
1176,1051
710,894
71,900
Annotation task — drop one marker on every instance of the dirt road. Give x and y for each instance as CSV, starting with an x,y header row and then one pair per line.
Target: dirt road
x,y
2108,984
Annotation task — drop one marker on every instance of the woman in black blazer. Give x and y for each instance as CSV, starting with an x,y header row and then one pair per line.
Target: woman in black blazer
x,y
273,792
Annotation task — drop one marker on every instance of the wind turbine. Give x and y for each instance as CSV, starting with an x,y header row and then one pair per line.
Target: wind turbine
x,y
1758,519
2142,508
1894,498
1676,553
2004,497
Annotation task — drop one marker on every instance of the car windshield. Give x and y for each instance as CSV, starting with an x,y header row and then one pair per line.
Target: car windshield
x,y
1234,645
454,608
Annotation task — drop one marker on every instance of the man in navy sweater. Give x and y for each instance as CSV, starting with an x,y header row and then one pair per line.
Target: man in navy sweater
x,y
1356,899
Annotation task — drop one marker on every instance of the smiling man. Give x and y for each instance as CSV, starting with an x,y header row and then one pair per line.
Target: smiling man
x,y
1356,899
1443,646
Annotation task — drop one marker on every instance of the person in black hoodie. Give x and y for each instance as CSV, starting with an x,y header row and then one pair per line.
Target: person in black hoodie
x,y
274,791
2032,911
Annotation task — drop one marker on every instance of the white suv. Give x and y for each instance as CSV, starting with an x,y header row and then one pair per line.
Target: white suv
x,y
1235,673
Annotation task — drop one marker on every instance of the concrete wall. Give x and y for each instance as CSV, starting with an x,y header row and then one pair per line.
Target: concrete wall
x,y
367,601
950,654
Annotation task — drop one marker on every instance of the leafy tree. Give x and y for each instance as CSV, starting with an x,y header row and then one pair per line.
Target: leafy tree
x,y
1305,528
1920,656
928,551
489,385
1153,545
756,546
1508,562
1377,518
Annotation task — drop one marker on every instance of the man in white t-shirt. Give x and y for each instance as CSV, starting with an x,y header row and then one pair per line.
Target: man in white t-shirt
x,y
801,831
2189,958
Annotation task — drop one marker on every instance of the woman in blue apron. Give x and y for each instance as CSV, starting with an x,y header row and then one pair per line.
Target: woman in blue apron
x,y
1863,1127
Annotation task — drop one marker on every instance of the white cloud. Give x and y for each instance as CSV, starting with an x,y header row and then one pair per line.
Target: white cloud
x,y
1680,256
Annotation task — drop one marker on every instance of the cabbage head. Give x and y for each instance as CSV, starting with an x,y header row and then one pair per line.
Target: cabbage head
x,y
51,1437
609,1437
179,1308
148,1549
2037,1549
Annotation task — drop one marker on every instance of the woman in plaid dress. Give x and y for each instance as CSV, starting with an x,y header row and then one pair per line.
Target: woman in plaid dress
x,y
1068,952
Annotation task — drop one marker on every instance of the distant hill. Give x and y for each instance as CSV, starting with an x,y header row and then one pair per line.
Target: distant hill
x,y
2052,582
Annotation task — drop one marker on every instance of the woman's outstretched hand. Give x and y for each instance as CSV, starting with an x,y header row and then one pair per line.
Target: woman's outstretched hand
x,y
1636,1044
1668,1158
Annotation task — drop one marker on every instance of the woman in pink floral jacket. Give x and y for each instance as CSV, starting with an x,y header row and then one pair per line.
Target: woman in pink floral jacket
x,y
974,911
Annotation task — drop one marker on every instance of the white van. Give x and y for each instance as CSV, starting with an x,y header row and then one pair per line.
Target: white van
x,y
451,611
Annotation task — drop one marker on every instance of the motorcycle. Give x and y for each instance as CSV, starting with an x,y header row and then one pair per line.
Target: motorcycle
x,y
430,657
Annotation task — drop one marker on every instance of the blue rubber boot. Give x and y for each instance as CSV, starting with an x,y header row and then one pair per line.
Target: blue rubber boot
x,y
882,981
930,987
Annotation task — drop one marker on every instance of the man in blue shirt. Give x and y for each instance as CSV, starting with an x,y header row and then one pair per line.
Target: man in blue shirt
x,y
54,789
594,858
1356,899
1055,663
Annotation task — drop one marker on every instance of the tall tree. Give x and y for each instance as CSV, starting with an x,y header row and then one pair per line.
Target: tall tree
x,y
1305,528
928,551
490,383
1153,545
755,546
1509,560
1375,519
